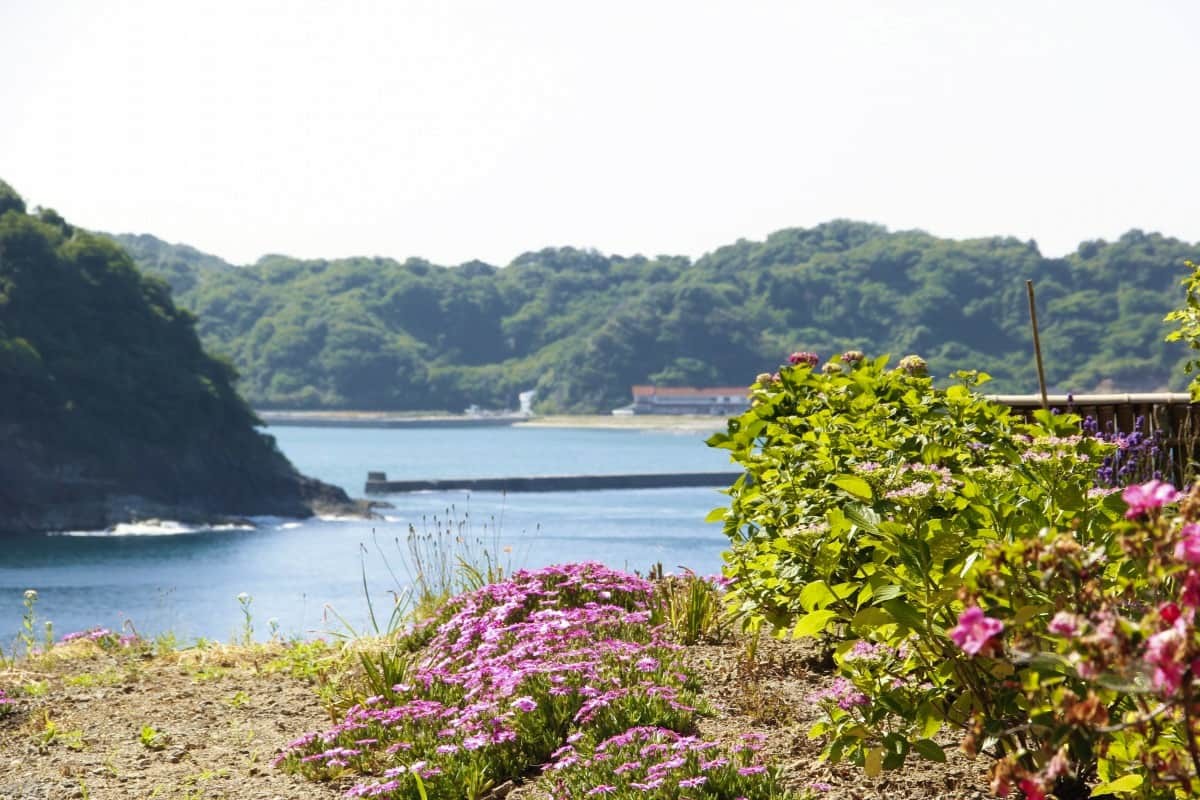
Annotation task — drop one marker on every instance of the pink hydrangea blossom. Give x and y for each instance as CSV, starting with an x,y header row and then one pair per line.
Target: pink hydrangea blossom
x,y
1142,498
974,629
1188,547
1190,596
1164,652
1064,624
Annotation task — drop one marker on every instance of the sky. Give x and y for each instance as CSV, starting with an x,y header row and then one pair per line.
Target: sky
x,y
454,130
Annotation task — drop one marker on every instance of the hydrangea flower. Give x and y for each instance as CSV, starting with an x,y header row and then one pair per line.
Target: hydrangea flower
x,y
1145,497
914,365
803,357
853,356
1188,547
974,630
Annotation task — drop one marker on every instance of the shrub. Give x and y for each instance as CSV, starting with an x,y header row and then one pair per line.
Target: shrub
x,y
868,499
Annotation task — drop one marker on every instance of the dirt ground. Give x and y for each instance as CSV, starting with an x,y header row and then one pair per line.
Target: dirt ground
x,y
217,716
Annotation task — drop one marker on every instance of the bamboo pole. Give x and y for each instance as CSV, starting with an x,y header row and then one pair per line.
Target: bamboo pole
x,y
1037,344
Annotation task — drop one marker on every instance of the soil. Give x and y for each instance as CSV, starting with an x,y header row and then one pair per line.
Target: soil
x,y
220,714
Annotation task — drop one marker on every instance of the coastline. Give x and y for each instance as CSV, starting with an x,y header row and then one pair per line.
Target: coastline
x,y
682,423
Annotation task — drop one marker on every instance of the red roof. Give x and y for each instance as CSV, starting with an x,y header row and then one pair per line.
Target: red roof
x,y
689,391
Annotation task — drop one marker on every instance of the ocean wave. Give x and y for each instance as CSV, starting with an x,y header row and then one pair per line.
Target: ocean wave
x,y
158,527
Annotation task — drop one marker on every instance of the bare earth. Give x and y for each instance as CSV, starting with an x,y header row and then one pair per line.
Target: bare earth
x,y
222,713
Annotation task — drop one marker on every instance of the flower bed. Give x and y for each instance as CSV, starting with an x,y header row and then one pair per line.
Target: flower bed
x,y
561,668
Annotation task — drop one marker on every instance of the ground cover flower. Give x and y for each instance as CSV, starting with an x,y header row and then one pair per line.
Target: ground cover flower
x,y
658,762
534,670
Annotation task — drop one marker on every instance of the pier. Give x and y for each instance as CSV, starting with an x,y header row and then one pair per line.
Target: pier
x,y
378,483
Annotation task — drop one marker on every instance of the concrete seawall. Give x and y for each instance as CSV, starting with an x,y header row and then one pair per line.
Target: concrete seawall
x,y
377,482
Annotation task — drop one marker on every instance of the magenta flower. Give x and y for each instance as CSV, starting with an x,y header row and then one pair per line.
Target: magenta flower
x,y
1141,498
853,356
1064,624
525,704
1164,651
1190,596
1188,547
974,629
803,357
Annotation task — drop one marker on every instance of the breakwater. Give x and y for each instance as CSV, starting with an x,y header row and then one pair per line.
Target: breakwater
x,y
378,483
376,419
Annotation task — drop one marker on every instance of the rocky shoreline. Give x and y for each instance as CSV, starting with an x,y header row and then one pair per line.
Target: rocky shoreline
x,y
42,490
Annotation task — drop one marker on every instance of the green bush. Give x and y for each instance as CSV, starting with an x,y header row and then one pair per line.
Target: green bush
x,y
868,499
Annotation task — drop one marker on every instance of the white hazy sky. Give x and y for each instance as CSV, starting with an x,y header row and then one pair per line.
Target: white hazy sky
x,y
454,130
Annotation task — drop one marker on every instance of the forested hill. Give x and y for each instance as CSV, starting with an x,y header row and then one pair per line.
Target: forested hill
x,y
110,409
581,327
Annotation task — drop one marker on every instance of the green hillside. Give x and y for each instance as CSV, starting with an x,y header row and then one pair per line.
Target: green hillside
x,y
581,327
110,407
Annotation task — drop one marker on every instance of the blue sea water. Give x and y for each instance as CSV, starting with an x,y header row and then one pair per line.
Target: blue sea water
x,y
168,577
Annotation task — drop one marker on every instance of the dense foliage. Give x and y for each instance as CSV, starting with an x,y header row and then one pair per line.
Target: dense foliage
x,y
976,572
582,327
107,390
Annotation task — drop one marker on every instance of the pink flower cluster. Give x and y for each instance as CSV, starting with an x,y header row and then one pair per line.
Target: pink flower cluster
x,y
657,761
842,693
1149,496
975,630
515,670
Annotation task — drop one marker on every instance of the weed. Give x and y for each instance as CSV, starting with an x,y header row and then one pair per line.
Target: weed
x,y
692,608
165,643
52,733
209,673
28,621
153,739
239,699
86,680
304,660
244,600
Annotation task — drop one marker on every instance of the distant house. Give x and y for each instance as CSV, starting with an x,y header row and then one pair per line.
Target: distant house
x,y
716,400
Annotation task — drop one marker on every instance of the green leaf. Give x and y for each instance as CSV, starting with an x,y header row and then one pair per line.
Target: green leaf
x,y
815,595
885,593
854,485
1123,785
871,617
716,515
905,614
930,750
812,623
1026,613
873,765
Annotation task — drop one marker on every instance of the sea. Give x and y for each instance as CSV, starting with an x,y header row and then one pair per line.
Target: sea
x,y
334,577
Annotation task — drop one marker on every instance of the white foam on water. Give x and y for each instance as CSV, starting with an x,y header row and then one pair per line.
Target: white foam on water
x,y
157,527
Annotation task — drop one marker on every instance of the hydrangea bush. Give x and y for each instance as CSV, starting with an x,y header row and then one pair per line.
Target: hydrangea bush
x,y
1104,681
869,499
